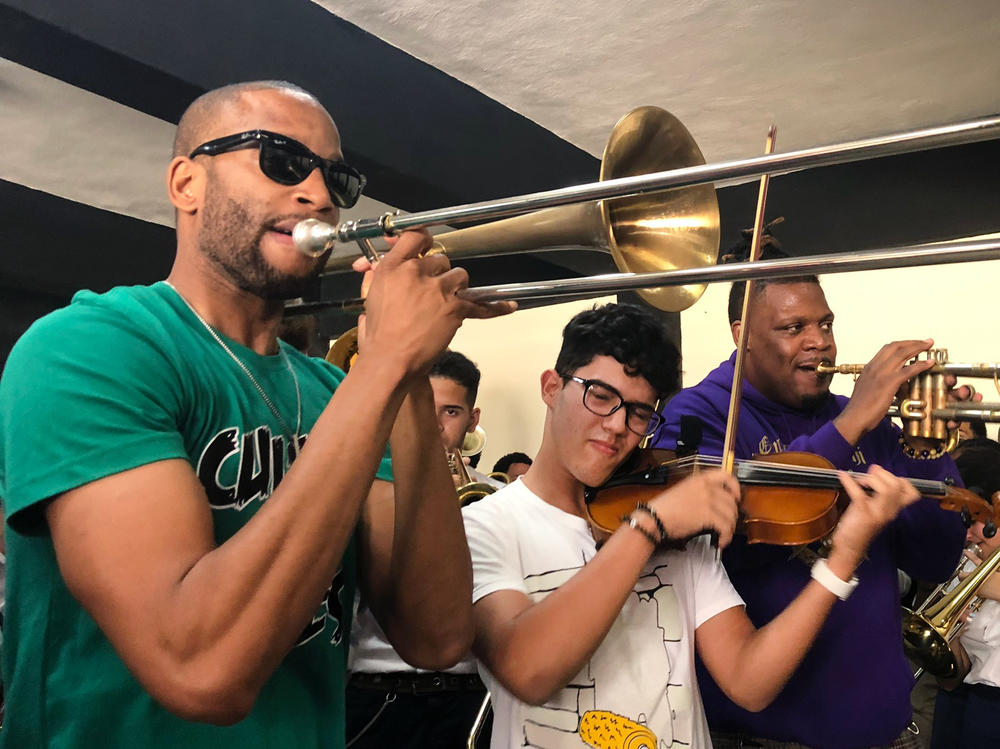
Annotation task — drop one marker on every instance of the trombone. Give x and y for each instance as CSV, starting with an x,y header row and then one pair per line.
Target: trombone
x,y
908,256
929,629
314,238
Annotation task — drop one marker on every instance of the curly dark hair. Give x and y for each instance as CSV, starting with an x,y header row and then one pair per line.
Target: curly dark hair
x,y
630,334
979,466
509,459
460,368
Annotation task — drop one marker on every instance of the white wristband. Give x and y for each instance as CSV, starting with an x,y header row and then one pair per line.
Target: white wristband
x,y
822,574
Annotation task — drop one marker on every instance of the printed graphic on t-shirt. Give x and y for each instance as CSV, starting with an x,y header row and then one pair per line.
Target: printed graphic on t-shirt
x,y
607,706
237,470
331,612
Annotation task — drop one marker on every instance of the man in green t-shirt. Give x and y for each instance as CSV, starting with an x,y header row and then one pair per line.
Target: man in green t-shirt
x,y
164,589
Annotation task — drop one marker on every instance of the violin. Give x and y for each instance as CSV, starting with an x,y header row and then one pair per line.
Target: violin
x,y
787,499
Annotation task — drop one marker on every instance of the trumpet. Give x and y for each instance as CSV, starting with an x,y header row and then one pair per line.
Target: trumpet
x,y
474,443
929,629
926,411
469,491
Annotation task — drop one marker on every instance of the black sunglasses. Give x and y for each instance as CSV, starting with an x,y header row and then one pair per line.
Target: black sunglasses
x,y
288,162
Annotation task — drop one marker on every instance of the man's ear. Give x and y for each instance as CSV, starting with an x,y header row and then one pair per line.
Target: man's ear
x,y
551,384
734,327
473,420
185,184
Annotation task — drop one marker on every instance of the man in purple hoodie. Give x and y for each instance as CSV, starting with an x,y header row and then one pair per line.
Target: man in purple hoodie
x,y
853,688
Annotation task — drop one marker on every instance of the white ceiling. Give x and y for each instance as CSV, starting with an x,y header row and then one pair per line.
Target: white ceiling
x,y
823,71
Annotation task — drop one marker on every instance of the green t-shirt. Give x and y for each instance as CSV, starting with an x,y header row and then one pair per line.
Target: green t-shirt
x,y
116,381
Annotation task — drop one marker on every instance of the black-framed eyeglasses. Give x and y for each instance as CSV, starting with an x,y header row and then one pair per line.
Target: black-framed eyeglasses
x,y
603,400
288,162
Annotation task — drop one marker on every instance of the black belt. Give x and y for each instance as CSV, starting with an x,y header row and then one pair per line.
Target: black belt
x,y
985,691
405,682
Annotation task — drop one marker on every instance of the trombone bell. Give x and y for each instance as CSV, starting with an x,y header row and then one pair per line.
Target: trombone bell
x,y
674,229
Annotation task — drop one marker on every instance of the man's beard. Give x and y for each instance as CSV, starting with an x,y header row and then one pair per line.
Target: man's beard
x,y
814,402
231,238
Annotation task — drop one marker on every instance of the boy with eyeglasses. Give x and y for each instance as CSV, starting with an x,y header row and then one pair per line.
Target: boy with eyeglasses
x,y
590,641
182,558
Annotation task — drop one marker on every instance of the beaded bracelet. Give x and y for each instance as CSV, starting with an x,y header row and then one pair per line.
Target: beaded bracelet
x,y
643,507
911,452
633,523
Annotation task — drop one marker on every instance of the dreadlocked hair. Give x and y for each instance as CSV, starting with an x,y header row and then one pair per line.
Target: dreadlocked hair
x,y
770,249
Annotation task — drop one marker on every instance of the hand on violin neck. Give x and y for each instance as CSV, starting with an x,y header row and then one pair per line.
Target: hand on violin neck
x,y
704,501
878,385
876,499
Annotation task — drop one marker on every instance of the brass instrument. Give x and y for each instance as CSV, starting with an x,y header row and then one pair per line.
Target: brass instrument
x,y
469,491
474,443
929,629
926,411
676,229
477,725
315,238
344,350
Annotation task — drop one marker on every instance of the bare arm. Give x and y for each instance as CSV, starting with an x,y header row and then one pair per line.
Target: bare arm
x,y
418,579
534,649
730,646
203,626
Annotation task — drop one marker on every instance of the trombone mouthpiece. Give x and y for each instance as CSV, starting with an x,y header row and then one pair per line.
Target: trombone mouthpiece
x,y
312,237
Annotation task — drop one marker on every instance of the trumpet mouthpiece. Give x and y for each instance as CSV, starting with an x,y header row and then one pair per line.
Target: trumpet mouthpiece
x,y
851,369
313,237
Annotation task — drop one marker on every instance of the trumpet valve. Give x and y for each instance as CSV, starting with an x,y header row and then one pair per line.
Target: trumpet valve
x,y
912,409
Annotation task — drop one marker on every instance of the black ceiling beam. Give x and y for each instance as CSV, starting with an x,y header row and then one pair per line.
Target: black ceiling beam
x,y
55,246
906,199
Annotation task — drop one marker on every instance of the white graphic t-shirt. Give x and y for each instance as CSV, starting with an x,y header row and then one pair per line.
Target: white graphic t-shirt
x,y
639,688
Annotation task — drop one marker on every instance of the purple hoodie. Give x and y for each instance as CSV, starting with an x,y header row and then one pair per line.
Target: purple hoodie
x,y
853,687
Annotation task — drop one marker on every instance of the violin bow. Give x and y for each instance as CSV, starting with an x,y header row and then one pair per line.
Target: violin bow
x,y
729,445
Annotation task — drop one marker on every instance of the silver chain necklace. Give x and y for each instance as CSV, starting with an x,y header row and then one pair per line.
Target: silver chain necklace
x,y
293,436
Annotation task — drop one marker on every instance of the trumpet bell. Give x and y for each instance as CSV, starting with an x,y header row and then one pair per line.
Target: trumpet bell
x,y
473,443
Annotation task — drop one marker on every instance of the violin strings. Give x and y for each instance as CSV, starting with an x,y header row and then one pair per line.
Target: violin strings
x,y
926,486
